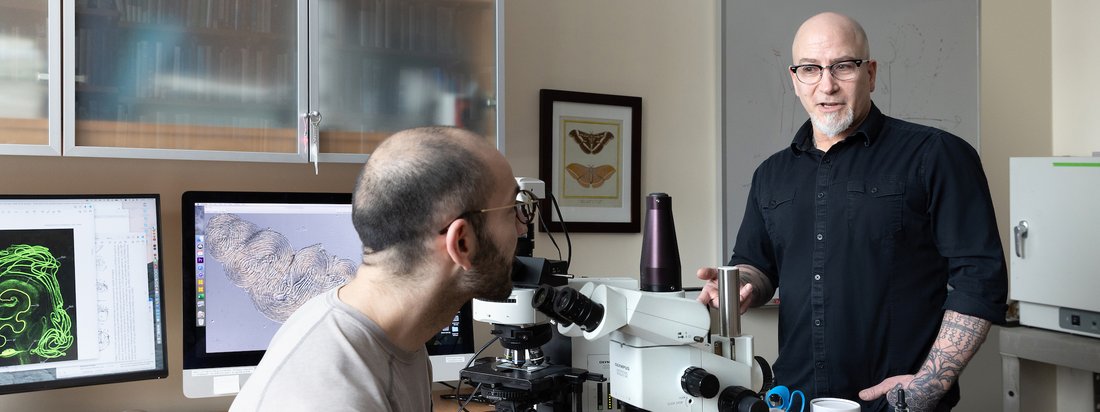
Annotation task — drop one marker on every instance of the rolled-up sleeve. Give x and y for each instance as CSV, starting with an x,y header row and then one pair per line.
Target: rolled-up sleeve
x,y
965,229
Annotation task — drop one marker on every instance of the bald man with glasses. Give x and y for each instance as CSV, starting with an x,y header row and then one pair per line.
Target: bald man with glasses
x,y
360,347
879,233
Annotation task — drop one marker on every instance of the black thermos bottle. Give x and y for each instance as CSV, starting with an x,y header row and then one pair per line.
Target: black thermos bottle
x,y
660,254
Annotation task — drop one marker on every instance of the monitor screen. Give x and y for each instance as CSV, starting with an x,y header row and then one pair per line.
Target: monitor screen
x,y
251,259
80,291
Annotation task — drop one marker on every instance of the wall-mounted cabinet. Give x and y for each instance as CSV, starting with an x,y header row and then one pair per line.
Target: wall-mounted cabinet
x,y
234,79
380,65
30,83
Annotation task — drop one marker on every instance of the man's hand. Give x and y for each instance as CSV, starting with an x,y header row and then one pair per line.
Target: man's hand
x,y
959,339
709,295
919,399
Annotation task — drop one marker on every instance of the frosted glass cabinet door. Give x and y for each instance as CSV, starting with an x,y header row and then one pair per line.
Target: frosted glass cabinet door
x,y
379,66
25,51
158,76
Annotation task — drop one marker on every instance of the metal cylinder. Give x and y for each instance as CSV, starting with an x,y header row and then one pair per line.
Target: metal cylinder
x,y
729,301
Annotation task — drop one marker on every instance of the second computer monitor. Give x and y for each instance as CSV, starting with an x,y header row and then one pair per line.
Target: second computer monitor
x,y
80,291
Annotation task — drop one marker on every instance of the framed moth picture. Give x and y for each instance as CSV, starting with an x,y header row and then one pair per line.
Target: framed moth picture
x,y
590,151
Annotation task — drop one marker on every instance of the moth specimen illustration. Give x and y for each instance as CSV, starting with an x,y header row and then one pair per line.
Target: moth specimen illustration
x,y
591,143
590,176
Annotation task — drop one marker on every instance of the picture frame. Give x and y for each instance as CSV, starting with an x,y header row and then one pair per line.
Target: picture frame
x,y
590,151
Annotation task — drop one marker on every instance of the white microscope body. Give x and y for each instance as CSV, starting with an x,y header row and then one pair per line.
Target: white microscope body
x,y
662,355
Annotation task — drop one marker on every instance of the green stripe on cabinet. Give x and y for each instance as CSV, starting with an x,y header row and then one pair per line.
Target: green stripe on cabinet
x,y
1075,164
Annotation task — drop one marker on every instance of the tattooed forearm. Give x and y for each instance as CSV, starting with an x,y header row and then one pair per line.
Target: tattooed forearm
x,y
959,339
762,289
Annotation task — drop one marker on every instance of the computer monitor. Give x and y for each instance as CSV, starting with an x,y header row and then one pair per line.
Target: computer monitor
x,y
80,291
452,348
239,251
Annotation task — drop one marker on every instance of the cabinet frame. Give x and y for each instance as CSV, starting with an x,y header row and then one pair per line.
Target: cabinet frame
x,y
54,79
62,103
69,100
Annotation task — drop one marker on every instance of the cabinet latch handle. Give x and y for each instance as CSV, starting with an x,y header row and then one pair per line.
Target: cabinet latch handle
x,y
313,130
1020,232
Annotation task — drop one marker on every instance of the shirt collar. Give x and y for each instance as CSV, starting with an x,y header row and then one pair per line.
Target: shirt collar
x,y
868,131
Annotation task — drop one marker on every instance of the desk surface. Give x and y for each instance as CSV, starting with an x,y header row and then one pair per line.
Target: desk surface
x,y
1047,346
450,405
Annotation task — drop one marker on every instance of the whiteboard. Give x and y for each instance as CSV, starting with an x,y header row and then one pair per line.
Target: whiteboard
x,y
927,53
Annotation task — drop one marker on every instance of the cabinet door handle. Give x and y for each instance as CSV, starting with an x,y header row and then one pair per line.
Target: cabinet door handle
x,y
313,131
1020,233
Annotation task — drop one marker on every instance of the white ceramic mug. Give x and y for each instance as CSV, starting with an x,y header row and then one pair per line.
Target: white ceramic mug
x,y
833,405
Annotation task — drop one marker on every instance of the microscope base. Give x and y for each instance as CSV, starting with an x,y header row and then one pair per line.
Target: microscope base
x,y
516,390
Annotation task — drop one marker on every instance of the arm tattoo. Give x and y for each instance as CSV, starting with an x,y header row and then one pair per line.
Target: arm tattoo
x,y
959,339
762,289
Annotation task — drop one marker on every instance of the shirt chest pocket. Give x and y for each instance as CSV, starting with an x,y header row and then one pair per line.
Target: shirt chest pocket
x,y
875,208
779,216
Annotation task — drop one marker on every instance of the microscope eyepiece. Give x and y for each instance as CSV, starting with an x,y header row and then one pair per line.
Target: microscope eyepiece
x,y
543,301
577,308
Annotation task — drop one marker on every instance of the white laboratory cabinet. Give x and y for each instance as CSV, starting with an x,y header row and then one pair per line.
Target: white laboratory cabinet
x,y
1055,241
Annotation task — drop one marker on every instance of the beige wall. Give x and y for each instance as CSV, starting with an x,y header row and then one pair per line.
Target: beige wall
x,y
1074,54
662,51
1011,31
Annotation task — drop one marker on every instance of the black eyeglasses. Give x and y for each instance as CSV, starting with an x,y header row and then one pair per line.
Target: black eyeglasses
x,y
524,209
843,70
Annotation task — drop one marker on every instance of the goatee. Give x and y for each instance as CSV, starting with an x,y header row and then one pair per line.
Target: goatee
x,y
834,123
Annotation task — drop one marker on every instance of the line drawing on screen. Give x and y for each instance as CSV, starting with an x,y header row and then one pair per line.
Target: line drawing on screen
x,y
262,263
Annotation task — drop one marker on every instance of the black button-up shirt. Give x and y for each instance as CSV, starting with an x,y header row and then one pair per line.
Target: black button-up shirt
x,y
869,243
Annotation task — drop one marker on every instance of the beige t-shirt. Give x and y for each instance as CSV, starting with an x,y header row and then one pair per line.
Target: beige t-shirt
x,y
330,357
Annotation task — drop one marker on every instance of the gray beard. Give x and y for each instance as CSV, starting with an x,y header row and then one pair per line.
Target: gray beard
x,y
832,124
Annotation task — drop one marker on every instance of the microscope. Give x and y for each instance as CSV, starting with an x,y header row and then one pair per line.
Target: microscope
x,y
662,355
526,378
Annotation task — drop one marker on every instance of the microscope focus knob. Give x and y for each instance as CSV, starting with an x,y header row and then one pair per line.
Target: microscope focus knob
x,y
740,399
699,383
